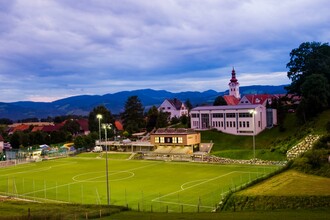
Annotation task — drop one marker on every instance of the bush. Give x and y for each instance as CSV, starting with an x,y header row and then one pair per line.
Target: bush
x,y
327,127
323,143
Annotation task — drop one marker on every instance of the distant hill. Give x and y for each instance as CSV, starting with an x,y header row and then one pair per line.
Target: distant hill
x,y
83,104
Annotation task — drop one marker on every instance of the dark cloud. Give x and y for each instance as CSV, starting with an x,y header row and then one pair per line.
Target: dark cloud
x,y
59,48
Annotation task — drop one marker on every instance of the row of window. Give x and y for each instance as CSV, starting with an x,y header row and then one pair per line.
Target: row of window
x,y
231,124
228,115
169,140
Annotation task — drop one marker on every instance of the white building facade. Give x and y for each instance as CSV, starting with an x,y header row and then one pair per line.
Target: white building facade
x,y
237,120
175,107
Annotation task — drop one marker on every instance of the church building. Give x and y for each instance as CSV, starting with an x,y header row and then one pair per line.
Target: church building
x,y
235,117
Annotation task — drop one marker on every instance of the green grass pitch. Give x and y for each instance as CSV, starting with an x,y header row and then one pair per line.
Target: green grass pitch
x,y
141,185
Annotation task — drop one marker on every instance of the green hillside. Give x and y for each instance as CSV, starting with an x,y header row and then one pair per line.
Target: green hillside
x,y
271,144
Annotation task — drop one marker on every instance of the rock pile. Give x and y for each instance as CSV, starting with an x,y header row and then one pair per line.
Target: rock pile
x,y
302,147
222,160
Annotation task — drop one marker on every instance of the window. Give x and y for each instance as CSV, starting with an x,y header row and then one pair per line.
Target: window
x,y
168,140
231,124
248,124
156,139
168,107
195,115
230,115
180,140
240,124
175,140
243,124
161,140
217,115
244,115
222,124
234,124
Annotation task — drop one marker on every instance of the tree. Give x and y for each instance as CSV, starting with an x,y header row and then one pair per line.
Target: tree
x,y
188,105
133,119
71,126
310,58
152,116
93,122
219,101
162,120
79,142
5,121
315,95
15,140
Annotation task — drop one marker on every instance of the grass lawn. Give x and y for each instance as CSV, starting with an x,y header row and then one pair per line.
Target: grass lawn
x,y
142,185
291,183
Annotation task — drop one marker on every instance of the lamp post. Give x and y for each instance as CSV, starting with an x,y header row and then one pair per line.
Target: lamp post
x,y
99,117
253,113
106,127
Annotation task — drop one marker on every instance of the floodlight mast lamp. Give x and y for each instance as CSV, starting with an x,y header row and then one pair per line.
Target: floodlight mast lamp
x,y
253,112
99,117
106,127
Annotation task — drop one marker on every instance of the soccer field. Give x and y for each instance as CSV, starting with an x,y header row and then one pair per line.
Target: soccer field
x,y
141,185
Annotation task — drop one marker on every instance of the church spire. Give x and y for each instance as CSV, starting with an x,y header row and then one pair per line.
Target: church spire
x,y
233,76
234,85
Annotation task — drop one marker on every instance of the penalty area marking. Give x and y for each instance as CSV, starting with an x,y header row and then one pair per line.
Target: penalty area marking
x,y
94,179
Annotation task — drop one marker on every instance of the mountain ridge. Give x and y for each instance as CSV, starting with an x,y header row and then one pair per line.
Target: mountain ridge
x,y
83,104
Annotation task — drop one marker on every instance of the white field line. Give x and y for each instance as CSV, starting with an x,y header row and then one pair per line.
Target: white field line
x,y
192,186
37,170
18,166
72,183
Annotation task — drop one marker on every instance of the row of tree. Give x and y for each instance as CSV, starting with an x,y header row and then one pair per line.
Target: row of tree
x,y
309,70
134,118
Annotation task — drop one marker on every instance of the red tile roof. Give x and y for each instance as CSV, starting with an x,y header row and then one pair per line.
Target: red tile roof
x,y
37,128
119,126
83,124
21,127
231,100
258,99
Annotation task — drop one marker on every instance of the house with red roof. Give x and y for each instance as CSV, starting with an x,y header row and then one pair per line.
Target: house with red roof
x,y
258,99
84,128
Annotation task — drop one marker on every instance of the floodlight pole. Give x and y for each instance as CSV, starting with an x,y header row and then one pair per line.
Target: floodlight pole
x,y
106,126
254,112
99,117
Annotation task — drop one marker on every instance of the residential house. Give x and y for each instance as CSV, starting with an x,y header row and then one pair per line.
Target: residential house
x,y
174,107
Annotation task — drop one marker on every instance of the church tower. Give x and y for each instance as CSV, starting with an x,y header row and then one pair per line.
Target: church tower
x,y
234,85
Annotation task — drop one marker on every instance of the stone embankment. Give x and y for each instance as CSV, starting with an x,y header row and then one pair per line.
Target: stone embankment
x,y
222,160
302,147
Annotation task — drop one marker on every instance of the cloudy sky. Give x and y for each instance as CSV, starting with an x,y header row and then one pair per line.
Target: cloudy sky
x,y
51,49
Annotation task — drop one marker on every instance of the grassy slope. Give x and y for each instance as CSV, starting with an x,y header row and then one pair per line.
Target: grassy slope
x,y
270,144
288,190
290,183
